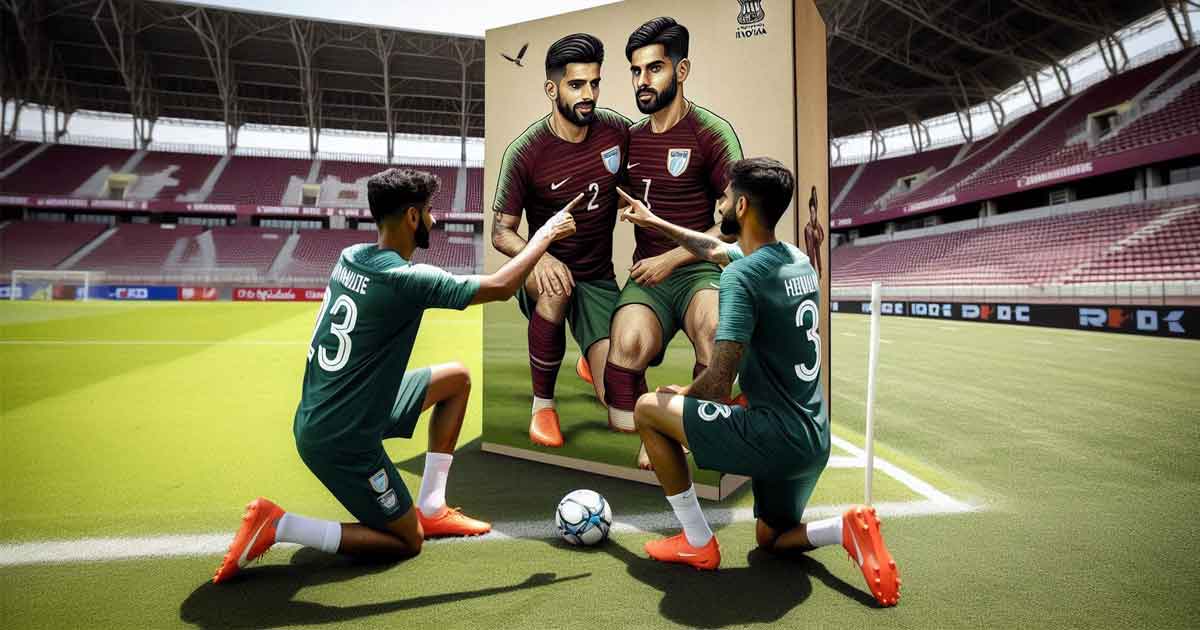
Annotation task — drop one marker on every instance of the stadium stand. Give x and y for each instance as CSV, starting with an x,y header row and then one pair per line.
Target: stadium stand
x,y
1107,245
42,244
135,249
258,180
1179,118
317,251
474,190
881,176
237,247
63,168
12,154
164,175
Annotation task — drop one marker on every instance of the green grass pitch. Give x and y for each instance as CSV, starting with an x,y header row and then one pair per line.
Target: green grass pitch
x,y
1080,450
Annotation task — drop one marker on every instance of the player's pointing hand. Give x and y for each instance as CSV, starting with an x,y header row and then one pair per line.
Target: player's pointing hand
x,y
635,212
562,224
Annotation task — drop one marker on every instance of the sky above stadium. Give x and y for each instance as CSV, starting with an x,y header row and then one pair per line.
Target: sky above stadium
x,y
458,17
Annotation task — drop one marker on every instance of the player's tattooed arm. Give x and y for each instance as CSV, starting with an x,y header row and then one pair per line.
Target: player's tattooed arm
x,y
716,381
504,234
702,245
504,283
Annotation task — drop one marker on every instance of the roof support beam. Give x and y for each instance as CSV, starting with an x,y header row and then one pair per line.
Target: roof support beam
x,y
134,68
385,45
307,39
1181,21
219,36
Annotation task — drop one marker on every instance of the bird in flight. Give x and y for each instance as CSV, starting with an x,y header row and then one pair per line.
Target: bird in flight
x,y
520,56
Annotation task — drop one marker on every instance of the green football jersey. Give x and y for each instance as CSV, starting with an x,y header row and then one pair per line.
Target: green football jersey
x,y
770,303
362,342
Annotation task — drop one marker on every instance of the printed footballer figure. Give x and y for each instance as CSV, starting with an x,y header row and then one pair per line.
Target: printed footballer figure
x,y
578,148
678,158
768,334
814,234
358,390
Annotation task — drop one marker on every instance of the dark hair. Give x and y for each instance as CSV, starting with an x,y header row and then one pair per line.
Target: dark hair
x,y
661,30
768,184
577,48
395,190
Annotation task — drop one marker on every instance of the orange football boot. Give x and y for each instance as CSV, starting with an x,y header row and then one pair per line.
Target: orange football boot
x,y
253,538
583,370
452,522
677,549
543,428
740,400
862,539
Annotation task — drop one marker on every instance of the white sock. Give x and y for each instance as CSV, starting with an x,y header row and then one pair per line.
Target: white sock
x,y
542,403
621,419
826,532
687,510
432,497
310,532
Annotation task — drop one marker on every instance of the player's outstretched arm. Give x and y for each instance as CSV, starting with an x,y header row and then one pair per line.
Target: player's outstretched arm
x,y
716,381
503,284
703,246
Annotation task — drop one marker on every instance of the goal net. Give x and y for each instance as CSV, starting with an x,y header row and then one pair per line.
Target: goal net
x,y
41,284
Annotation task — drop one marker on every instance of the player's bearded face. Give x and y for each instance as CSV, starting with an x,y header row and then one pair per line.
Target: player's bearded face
x,y
727,206
421,236
650,99
581,112
577,92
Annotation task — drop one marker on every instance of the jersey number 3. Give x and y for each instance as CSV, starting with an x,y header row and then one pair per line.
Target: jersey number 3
x,y
804,372
341,331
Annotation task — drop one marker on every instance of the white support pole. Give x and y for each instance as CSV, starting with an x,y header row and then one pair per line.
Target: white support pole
x,y
872,366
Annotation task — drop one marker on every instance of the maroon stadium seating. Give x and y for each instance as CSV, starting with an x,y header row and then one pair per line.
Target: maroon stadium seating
x,y
62,168
879,176
241,247
137,248
317,251
257,180
191,170
10,154
474,190
42,244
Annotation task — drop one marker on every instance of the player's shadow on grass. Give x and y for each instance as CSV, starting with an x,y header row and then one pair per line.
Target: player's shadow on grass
x,y
264,597
763,592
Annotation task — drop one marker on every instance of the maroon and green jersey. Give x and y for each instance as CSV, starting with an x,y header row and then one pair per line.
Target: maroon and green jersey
x,y
679,173
541,173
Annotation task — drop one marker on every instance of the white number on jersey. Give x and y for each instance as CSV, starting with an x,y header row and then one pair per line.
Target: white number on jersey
x,y
341,331
594,188
804,372
646,195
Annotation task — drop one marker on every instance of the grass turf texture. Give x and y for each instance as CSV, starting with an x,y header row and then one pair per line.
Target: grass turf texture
x,y
1082,446
508,396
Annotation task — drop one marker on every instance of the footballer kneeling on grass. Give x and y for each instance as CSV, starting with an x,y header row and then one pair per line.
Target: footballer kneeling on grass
x,y
767,332
357,392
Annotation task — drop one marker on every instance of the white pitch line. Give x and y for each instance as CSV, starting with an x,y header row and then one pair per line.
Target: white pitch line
x,y
849,334
908,479
185,545
1040,342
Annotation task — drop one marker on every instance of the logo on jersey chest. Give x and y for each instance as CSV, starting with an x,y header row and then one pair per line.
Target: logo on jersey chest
x,y
677,161
612,159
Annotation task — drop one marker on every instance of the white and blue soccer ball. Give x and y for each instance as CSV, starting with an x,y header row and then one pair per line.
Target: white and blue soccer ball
x,y
583,517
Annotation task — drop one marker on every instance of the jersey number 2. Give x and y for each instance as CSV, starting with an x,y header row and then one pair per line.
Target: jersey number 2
x,y
341,331
804,372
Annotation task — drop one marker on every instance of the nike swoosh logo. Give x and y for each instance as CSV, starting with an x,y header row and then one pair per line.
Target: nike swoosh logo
x,y
686,555
634,164
857,551
559,184
246,551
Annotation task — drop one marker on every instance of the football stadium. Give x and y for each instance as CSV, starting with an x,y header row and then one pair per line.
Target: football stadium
x,y
1003,261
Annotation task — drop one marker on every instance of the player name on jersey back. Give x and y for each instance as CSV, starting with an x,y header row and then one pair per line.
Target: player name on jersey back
x,y
800,285
352,280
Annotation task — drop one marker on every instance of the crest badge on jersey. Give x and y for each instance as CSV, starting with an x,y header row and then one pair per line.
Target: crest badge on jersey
x,y
612,159
379,481
677,161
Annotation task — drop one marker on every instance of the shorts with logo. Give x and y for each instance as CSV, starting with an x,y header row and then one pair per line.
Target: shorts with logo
x,y
754,442
589,312
364,479
670,298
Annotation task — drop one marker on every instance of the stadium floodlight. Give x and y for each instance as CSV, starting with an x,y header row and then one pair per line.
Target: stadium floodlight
x,y
872,365
50,284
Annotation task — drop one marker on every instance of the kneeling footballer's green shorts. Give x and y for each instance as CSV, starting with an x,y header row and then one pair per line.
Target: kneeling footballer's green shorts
x,y
670,298
362,477
755,442
589,313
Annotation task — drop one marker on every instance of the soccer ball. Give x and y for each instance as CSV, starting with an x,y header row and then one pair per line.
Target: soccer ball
x,y
583,517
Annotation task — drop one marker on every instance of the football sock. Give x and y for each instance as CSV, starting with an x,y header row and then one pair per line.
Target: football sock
x,y
310,532
622,386
542,403
825,532
697,368
687,510
547,345
432,497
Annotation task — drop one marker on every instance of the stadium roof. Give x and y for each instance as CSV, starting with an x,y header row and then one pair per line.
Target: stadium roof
x,y
891,62
895,62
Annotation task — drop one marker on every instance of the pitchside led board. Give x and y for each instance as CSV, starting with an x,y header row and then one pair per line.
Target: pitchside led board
x,y
757,64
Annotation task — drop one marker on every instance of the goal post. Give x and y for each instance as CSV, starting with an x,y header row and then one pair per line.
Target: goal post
x,y
52,284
